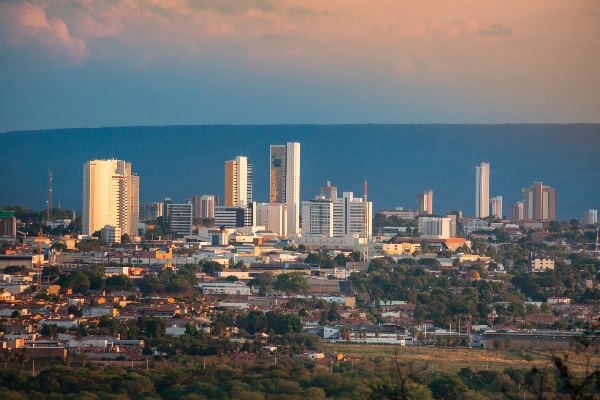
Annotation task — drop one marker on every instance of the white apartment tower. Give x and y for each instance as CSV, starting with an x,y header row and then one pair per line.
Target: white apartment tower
x,y
337,217
435,227
496,204
284,182
110,196
238,182
482,190
425,202
317,216
352,215
590,217
273,217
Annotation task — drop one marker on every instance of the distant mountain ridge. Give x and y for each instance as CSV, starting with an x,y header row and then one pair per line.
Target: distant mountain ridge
x,y
399,161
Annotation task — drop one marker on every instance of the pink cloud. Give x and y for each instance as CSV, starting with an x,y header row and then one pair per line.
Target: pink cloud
x,y
25,23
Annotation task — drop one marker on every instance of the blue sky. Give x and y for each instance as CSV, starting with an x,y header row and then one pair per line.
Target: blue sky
x,y
80,63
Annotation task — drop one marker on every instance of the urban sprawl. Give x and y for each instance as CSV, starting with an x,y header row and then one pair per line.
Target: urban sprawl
x,y
239,275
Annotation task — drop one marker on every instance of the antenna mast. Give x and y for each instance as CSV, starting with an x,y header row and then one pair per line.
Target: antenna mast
x,y
49,212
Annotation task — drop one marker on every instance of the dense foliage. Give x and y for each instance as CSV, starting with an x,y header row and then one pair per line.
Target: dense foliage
x,y
240,377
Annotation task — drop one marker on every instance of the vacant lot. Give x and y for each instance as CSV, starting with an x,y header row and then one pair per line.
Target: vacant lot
x,y
453,359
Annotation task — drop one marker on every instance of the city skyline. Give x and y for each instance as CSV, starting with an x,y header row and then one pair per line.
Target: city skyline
x,y
389,157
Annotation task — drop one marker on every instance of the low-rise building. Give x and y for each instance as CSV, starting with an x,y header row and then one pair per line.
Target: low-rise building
x,y
540,262
230,288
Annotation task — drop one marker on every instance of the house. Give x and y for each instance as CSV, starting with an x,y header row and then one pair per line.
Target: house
x,y
558,300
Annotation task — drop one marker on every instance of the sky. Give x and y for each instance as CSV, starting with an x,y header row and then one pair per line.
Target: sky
x,y
94,63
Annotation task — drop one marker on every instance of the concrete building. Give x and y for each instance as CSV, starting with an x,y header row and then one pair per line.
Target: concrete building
x,y
517,212
285,181
238,182
337,217
401,213
229,288
110,234
274,217
235,217
482,190
317,216
496,205
8,225
435,227
400,248
350,242
58,223
352,215
180,218
110,196
204,206
453,224
590,217
539,202
328,192
151,211
425,202
539,262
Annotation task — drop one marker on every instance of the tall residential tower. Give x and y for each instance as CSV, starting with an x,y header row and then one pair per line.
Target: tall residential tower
x,y
238,182
482,190
425,202
285,181
539,202
110,196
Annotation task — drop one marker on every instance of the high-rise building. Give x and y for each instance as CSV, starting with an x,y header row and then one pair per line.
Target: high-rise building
x,y
8,224
204,206
517,212
590,217
329,192
196,205
238,182
285,181
273,217
317,216
337,218
482,190
110,196
352,215
235,217
425,202
496,205
180,218
151,211
435,227
539,202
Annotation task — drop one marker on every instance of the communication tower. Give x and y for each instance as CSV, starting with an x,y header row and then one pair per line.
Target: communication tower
x,y
49,201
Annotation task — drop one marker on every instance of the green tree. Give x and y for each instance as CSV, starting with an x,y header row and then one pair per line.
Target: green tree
x,y
292,282
323,260
78,281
